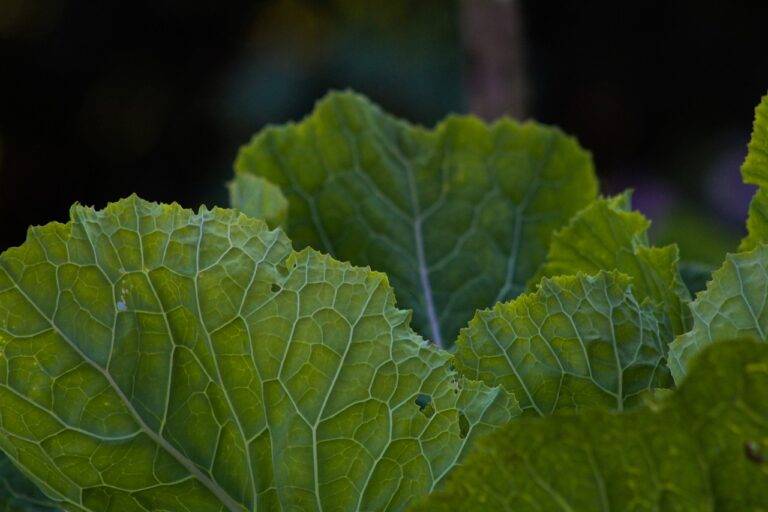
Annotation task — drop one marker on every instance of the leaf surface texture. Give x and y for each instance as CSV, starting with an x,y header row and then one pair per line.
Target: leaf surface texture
x,y
735,304
577,342
755,171
701,448
459,217
160,359
606,235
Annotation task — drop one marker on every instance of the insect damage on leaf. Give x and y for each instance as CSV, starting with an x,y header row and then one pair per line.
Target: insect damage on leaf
x,y
150,363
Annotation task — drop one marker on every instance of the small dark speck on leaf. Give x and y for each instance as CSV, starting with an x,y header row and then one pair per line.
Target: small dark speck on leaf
x,y
275,288
752,451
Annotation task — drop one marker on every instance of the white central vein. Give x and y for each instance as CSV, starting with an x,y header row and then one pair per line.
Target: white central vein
x,y
418,239
429,303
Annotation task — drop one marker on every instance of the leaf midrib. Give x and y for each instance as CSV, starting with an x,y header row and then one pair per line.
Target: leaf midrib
x,y
418,237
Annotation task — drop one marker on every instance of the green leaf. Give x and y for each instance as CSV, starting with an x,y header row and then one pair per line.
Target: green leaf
x,y
755,171
18,494
577,342
158,359
734,302
459,217
703,447
733,305
258,198
606,235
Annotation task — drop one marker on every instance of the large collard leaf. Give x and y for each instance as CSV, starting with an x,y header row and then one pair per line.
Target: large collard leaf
x,y
703,447
606,235
158,359
755,171
459,217
577,342
735,304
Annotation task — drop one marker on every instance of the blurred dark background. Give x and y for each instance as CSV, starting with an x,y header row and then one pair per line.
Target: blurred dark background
x,y
101,99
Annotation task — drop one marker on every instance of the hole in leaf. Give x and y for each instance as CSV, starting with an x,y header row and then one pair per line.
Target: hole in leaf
x,y
463,425
422,401
275,288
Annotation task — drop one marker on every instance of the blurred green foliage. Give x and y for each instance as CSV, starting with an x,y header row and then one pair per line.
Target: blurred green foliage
x,y
701,239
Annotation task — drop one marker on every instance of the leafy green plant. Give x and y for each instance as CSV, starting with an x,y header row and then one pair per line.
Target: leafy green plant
x,y
458,217
257,358
700,448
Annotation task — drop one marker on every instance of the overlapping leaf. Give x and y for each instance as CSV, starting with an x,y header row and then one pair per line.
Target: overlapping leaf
x,y
577,342
258,198
18,494
755,171
459,217
606,235
704,447
735,304
158,359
